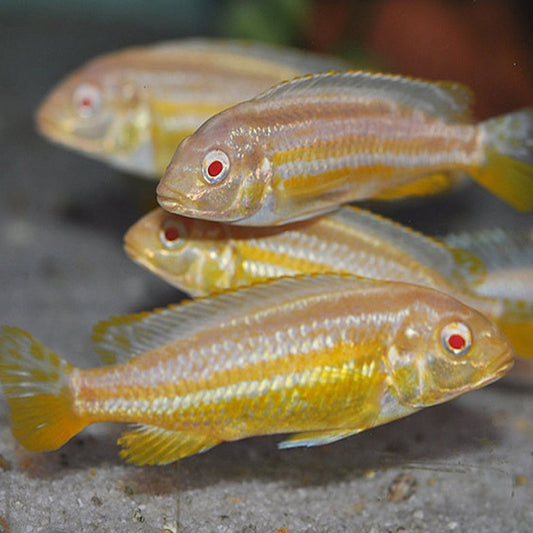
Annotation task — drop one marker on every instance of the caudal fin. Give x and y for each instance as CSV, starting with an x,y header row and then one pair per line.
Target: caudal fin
x,y
34,381
508,167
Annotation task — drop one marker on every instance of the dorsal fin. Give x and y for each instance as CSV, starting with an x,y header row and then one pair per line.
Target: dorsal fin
x,y
447,100
459,266
120,338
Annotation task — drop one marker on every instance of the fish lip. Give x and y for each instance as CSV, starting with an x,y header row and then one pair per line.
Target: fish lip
x,y
131,250
51,130
500,369
173,205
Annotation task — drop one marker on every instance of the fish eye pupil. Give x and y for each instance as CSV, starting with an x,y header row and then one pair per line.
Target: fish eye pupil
x,y
457,342
87,100
172,234
215,168
456,338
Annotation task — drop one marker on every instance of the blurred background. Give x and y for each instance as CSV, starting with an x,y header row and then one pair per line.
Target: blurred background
x,y
485,44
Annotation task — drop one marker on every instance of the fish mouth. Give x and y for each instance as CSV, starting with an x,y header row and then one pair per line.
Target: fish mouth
x,y
57,132
495,371
501,367
178,204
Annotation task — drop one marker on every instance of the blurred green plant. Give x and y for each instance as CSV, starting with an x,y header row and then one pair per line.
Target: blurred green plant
x,y
274,21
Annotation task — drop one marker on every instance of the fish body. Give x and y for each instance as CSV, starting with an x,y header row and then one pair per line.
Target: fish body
x,y
202,257
308,145
323,357
131,108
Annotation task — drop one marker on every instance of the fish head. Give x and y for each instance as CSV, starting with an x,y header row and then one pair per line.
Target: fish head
x,y
194,255
220,172
444,349
97,111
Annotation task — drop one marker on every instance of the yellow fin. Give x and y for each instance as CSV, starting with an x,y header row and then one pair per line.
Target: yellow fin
x,y
152,445
434,184
508,170
316,438
509,179
34,380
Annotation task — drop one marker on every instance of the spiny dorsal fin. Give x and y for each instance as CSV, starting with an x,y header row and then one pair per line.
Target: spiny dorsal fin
x,y
120,338
152,445
459,266
447,100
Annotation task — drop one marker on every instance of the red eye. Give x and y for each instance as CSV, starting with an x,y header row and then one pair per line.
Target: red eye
x,y
87,100
215,167
173,233
456,338
457,342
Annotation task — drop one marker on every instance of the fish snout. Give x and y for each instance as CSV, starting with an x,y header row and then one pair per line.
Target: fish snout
x,y
168,198
500,365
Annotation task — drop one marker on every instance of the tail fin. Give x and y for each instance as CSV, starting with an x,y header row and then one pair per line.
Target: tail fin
x,y
517,325
34,380
508,167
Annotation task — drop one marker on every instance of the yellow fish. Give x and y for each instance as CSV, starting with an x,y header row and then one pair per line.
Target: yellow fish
x,y
132,107
308,145
323,357
201,257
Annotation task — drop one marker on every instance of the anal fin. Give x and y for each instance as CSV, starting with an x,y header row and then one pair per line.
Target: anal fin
x,y
152,445
316,438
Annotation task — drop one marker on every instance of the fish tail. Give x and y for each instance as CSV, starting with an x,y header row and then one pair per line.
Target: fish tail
x,y
516,323
507,170
35,383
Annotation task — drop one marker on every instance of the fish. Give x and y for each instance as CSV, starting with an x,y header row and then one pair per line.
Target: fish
x,y
131,108
320,357
306,146
201,257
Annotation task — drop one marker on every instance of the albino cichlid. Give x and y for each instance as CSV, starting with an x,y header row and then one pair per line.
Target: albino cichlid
x,y
323,357
132,107
201,257
508,258
308,145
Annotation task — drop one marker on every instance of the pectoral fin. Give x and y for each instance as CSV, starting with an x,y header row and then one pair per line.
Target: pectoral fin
x,y
316,438
152,445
